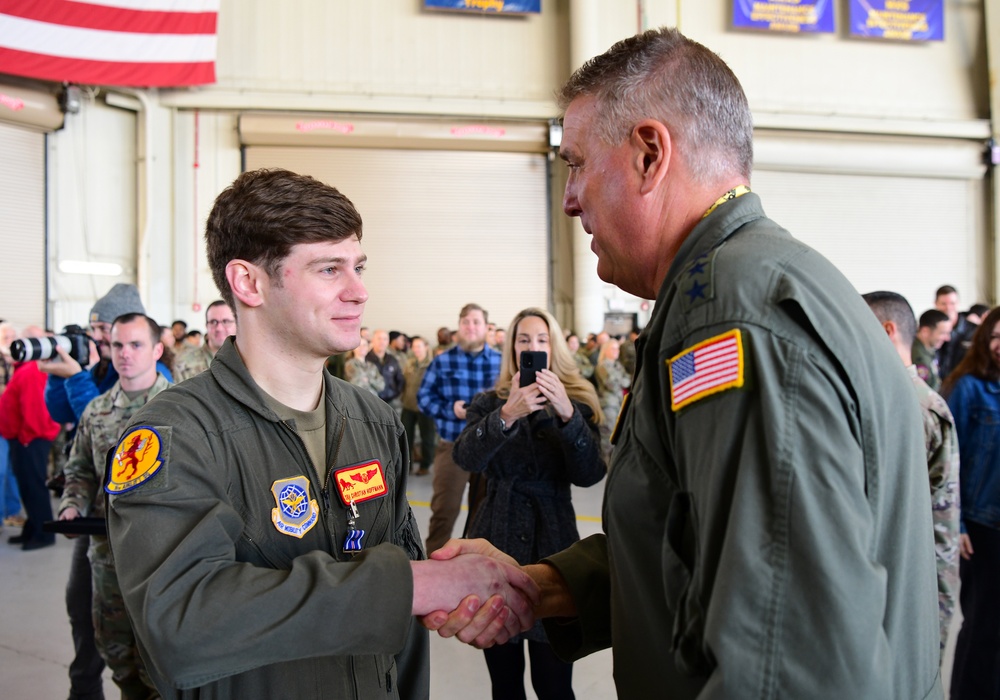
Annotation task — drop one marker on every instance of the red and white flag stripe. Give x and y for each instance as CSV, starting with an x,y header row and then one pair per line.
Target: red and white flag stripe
x,y
138,43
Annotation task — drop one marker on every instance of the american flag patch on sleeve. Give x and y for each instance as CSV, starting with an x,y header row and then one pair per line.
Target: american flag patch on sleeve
x,y
707,368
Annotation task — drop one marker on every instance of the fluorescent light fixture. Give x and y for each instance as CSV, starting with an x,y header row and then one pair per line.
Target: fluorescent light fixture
x,y
82,267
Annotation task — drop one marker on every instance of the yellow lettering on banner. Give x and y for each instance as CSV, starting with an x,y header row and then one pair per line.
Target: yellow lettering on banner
x,y
496,5
897,25
784,17
903,5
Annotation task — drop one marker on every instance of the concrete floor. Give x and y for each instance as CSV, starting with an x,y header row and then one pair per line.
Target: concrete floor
x,y
35,645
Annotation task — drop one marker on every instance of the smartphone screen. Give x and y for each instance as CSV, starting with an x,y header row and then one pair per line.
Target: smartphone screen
x,y
531,362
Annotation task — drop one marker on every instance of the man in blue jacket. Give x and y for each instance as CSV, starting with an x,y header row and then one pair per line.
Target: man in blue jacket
x,y
69,389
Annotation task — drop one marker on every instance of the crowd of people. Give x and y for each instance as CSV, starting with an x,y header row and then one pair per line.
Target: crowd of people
x,y
788,495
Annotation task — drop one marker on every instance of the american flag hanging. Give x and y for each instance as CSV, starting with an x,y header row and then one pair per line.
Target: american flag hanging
x,y
707,368
134,43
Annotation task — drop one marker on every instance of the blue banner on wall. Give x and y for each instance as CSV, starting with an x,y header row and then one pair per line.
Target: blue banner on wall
x,y
784,15
909,20
507,7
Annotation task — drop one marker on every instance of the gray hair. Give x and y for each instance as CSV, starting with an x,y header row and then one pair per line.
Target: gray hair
x,y
663,75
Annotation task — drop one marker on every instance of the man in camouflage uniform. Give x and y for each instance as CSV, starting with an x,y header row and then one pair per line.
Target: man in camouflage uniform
x,y
896,317
220,323
135,348
580,357
932,333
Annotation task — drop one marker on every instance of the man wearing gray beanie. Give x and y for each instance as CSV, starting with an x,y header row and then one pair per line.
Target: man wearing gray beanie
x,y
69,389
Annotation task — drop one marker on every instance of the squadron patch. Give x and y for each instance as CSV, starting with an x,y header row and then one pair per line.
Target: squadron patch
x,y
136,460
707,368
296,513
360,483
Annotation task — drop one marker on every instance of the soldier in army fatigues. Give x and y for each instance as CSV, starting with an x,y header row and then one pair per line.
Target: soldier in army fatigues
x,y
361,373
220,323
940,441
942,466
612,381
135,348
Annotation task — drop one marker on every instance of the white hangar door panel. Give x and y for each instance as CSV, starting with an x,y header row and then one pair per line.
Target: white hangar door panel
x,y
22,233
441,228
907,217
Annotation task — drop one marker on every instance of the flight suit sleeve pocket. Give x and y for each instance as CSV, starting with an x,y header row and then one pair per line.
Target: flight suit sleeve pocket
x,y
679,559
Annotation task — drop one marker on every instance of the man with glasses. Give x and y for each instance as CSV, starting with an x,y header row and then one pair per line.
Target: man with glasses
x,y
220,323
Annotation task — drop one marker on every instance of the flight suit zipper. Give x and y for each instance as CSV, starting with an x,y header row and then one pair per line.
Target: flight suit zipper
x,y
325,492
304,453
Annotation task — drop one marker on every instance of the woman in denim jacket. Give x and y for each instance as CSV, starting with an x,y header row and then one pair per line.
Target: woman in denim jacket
x,y
973,393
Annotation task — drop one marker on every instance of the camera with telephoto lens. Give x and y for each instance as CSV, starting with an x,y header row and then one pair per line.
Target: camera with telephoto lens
x,y
73,340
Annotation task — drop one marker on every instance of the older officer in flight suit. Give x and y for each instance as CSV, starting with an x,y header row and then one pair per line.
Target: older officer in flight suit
x,y
767,519
258,510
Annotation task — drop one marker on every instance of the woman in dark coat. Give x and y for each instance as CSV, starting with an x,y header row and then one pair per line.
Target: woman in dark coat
x,y
532,443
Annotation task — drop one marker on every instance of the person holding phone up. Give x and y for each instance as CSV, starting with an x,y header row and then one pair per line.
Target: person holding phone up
x,y
534,434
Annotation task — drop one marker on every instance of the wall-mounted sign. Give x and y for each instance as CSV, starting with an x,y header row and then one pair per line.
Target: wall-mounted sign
x,y
784,15
506,7
909,20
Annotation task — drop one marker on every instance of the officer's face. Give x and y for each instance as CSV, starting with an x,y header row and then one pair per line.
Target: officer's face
x,y
941,334
316,306
603,190
220,324
133,353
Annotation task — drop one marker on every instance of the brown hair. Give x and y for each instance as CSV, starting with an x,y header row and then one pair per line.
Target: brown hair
x,y
469,308
264,213
154,327
979,360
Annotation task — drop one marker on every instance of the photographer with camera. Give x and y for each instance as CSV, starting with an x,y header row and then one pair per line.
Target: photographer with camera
x,y
29,430
73,385
70,388
533,435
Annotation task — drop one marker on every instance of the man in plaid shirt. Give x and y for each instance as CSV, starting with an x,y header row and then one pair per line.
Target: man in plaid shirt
x,y
452,379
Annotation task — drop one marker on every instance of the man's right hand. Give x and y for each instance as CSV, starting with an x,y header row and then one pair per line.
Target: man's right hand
x,y
479,626
459,409
491,590
64,367
70,513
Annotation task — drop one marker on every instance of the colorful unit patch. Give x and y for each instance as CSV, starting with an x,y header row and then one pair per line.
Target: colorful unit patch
x,y
296,514
360,483
709,367
136,460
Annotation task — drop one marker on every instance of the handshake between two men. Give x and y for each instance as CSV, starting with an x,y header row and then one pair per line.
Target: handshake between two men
x,y
490,597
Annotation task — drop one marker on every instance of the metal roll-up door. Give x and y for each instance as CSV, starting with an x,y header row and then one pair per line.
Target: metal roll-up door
x,y
441,227
22,233
899,214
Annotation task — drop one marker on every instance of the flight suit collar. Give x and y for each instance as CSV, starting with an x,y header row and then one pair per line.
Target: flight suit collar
x,y
235,379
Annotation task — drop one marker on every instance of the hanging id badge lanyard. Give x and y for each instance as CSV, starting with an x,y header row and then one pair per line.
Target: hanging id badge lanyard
x,y
352,541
